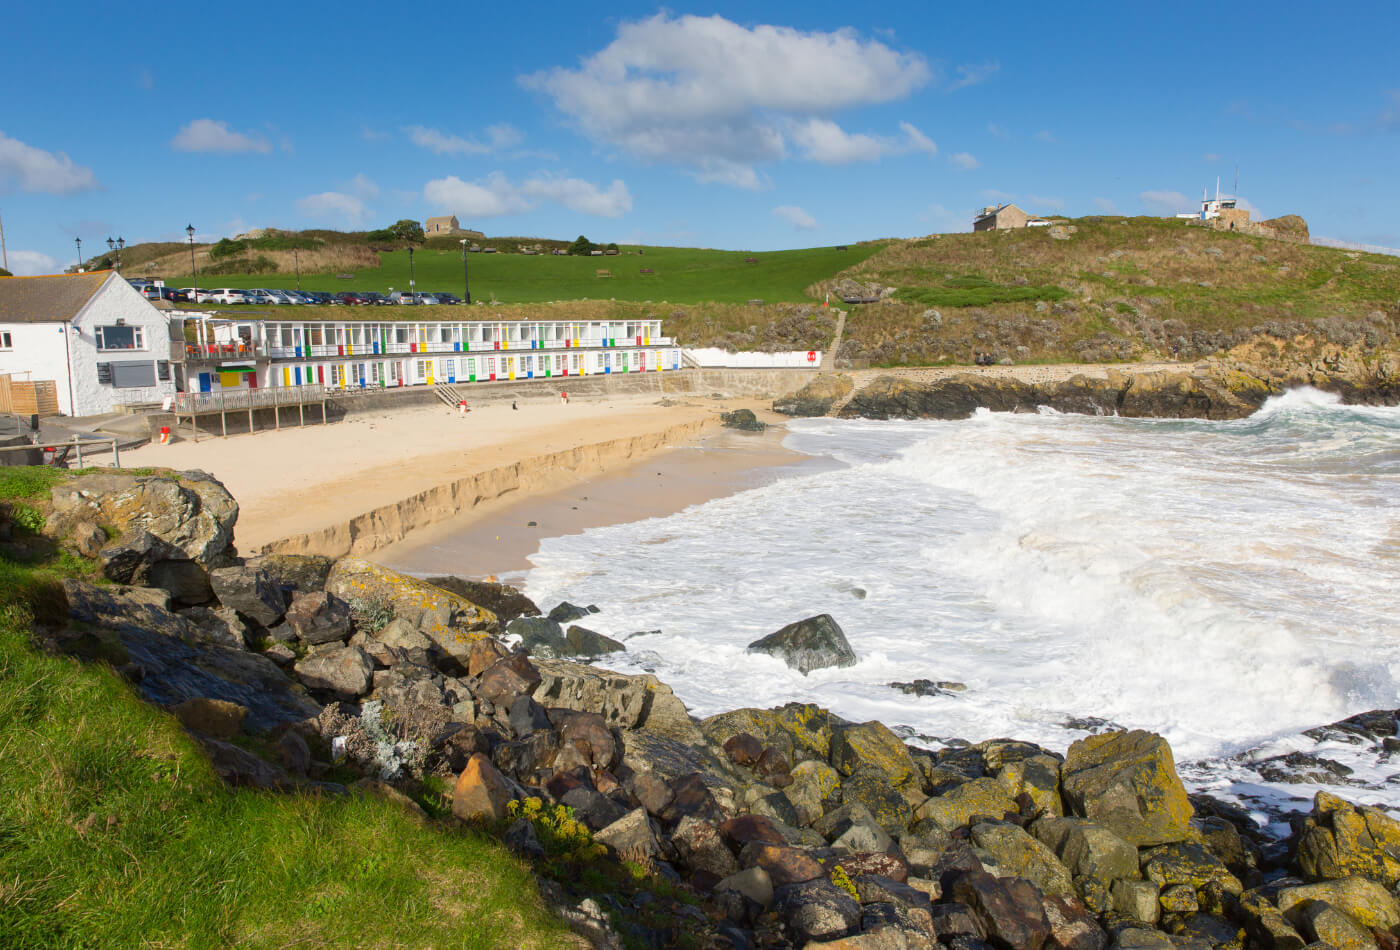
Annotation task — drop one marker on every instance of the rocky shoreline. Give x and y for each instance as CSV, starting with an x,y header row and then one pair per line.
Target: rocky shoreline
x,y
1216,389
784,827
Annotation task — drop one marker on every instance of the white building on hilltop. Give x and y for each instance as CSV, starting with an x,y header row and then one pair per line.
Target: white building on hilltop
x,y
99,340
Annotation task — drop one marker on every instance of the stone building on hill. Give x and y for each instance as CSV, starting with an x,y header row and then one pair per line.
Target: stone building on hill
x,y
447,226
1003,217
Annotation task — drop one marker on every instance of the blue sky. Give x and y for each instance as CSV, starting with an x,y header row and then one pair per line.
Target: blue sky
x,y
752,126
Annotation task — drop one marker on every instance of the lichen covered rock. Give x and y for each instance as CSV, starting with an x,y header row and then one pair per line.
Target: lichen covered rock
x,y
1127,782
1340,839
450,621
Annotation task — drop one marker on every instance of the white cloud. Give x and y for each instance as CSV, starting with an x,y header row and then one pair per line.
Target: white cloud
x,y
208,135
964,161
1044,136
1041,201
971,75
716,97
440,143
497,196
581,196
1165,202
31,263
1105,205
918,141
824,141
335,204
796,217
997,131
36,170
1210,157
362,187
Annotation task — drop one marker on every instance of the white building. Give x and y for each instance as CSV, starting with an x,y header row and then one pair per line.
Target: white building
x,y
93,334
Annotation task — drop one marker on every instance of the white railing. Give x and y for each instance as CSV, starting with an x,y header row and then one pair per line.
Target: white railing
x,y
234,399
718,359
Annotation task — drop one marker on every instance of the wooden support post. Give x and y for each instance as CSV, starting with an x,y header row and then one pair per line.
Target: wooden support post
x,y
79,446
116,458
301,410
323,408
250,415
223,421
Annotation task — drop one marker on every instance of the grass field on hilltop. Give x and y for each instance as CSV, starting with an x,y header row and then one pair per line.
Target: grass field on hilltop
x,y
680,275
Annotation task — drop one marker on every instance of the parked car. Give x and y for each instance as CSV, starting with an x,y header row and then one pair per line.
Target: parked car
x,y
403,297
152,292
352,299
260,296
227,295
447,298
197,296
426,299
375,297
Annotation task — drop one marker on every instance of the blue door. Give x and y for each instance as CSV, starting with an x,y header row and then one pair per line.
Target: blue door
x,y
206,384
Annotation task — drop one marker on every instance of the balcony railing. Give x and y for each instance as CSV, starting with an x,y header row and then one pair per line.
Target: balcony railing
x,y
213,352
231,399
281,352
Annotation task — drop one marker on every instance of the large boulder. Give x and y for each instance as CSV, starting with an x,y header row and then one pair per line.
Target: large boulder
x,y
540,637
249,591
1017,853
872,745
1127,782
345,671
450,621
172,659
1010,910
1340,839
979,798
629,702
481,793
812,644
742,419
816,398
504,601
800,731
319,617
301,573
1361,898
1094,856
816,910
189,512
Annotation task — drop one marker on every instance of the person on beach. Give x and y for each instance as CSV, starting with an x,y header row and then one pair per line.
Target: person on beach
x,y
513,405
564,398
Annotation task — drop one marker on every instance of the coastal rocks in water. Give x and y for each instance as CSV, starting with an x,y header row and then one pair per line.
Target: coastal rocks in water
x,y
249,591
450,621
540,637
929,688
816,398
319,617
812,644
1094,856
585,642
345,672
1127,782
504,601
1340,839
742,419
1367,902
565,612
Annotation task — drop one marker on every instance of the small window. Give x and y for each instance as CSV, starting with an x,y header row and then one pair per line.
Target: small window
x,y
163,370
6,341
120,338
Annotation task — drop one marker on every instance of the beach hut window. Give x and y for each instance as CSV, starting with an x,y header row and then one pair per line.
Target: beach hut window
x,y
374,372
444,335
335,374
400,334
421,368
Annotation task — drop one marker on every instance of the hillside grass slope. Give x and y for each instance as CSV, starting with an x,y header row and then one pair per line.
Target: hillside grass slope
x,y
115,831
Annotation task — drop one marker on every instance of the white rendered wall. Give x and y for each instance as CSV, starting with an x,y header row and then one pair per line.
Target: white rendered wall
x,y
116,300
37,352
715,358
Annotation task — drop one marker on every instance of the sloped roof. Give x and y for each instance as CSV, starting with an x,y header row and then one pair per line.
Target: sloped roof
x,y
51,299
996,211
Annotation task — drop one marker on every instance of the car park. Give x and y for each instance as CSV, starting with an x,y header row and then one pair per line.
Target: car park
x,y
352,299
403,298
196,296
375,297
447,298
228,295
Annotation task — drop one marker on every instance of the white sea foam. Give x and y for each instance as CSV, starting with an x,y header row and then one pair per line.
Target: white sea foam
x,y
1226,584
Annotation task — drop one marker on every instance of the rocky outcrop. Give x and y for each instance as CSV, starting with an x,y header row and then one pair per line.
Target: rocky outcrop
x,y
1340,839
1127,782
742,419
817,398
1206,395
450,621
812,644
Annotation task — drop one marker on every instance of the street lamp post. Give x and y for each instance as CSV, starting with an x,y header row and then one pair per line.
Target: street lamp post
x,y
410,269
117,246
79,241
466,283
296,256
194,276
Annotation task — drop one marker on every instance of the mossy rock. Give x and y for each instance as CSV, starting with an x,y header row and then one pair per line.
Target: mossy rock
x,y
1341,839
979,798
872,788
1187,862
451,622
1127,782
871,745
1361,898
1018,853
1036,777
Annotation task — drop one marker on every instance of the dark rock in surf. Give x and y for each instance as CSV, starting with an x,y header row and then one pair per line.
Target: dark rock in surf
x,y
812,644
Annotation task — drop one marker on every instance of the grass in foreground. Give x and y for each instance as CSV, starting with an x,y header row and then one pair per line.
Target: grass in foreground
x,y
115,832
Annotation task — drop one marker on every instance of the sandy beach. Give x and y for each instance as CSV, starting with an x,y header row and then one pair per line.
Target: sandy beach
x,y
299,481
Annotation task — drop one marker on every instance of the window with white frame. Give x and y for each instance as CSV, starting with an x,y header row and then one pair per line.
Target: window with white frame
x,y
120,338
7,342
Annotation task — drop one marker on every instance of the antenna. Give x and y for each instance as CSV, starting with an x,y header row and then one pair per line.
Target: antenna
x,y
1237,179
1217,187
3,253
